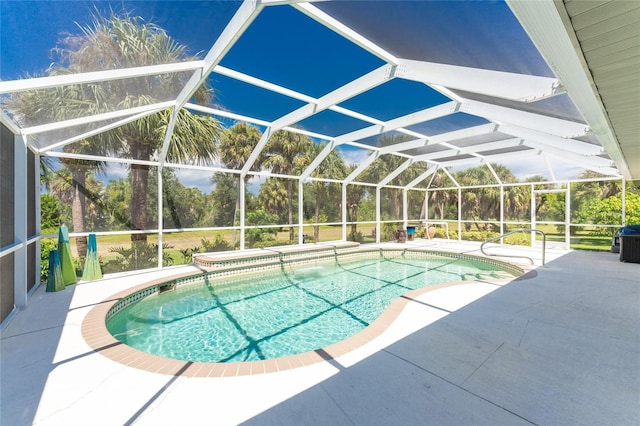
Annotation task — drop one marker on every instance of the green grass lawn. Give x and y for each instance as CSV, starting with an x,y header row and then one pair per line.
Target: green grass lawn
x,y
583,239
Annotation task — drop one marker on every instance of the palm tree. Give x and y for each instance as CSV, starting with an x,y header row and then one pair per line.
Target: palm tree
x,y
115,43
236,145
355,194
273,197
287,152
385,165
123,42
333,167
33,107
442,198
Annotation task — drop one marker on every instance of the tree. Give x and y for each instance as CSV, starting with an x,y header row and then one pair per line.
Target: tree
x,y
287,152
608,211
333,167
223,199
123,42
355,194
32,107
51,212
483,204
442,199
259,236
117,200
384,166
273,198
584,194
183,206
236,145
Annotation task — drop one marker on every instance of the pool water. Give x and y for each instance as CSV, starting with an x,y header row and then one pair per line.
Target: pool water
x,y
280,313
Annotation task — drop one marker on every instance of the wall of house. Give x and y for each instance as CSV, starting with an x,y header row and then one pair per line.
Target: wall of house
x,y
7,220
15,251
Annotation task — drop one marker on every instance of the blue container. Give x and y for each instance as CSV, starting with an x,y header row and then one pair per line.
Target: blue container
x,y
411,232
629,230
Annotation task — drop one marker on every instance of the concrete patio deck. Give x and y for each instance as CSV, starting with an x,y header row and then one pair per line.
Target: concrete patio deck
x,y
562,347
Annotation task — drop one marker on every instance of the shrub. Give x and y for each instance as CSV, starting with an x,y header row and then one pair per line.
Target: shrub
x,y
478,235
138,256
356,236
219,244
270,243
187,254
389,231
46,245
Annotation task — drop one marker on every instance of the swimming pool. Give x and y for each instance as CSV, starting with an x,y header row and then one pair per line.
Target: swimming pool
x,y
287,311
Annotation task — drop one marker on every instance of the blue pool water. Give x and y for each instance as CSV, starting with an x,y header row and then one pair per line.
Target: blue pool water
x,y
280,313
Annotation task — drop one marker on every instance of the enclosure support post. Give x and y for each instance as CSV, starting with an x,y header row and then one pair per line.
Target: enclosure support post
x,y
501,213
459,214
624,203
378,228
426,209
344,211
300,211
567,217
405,203
20,206
38,230
242,211
160,218
533,215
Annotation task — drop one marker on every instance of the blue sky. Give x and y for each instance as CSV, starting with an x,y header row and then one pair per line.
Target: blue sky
x,y
309,58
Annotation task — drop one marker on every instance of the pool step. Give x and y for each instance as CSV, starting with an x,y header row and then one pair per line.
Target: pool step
x,y
273,256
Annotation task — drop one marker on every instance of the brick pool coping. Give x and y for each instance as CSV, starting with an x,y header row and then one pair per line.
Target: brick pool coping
x,y
95,333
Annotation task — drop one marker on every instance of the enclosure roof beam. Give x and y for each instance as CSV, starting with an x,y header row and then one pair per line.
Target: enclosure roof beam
x,y
499,84
403,146
395,173
469,132
317,161
246,13
507,143
605,170
348,33
291,93
257,150
353,88
363,165
431,170
558,151
493,172
448,173
503,115
573,145
99,130
407,120
475,161
95,118
549,168
226,114
37,83
256,121
254,81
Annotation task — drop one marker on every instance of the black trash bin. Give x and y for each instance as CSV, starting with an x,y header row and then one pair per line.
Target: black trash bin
x,y
629,237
